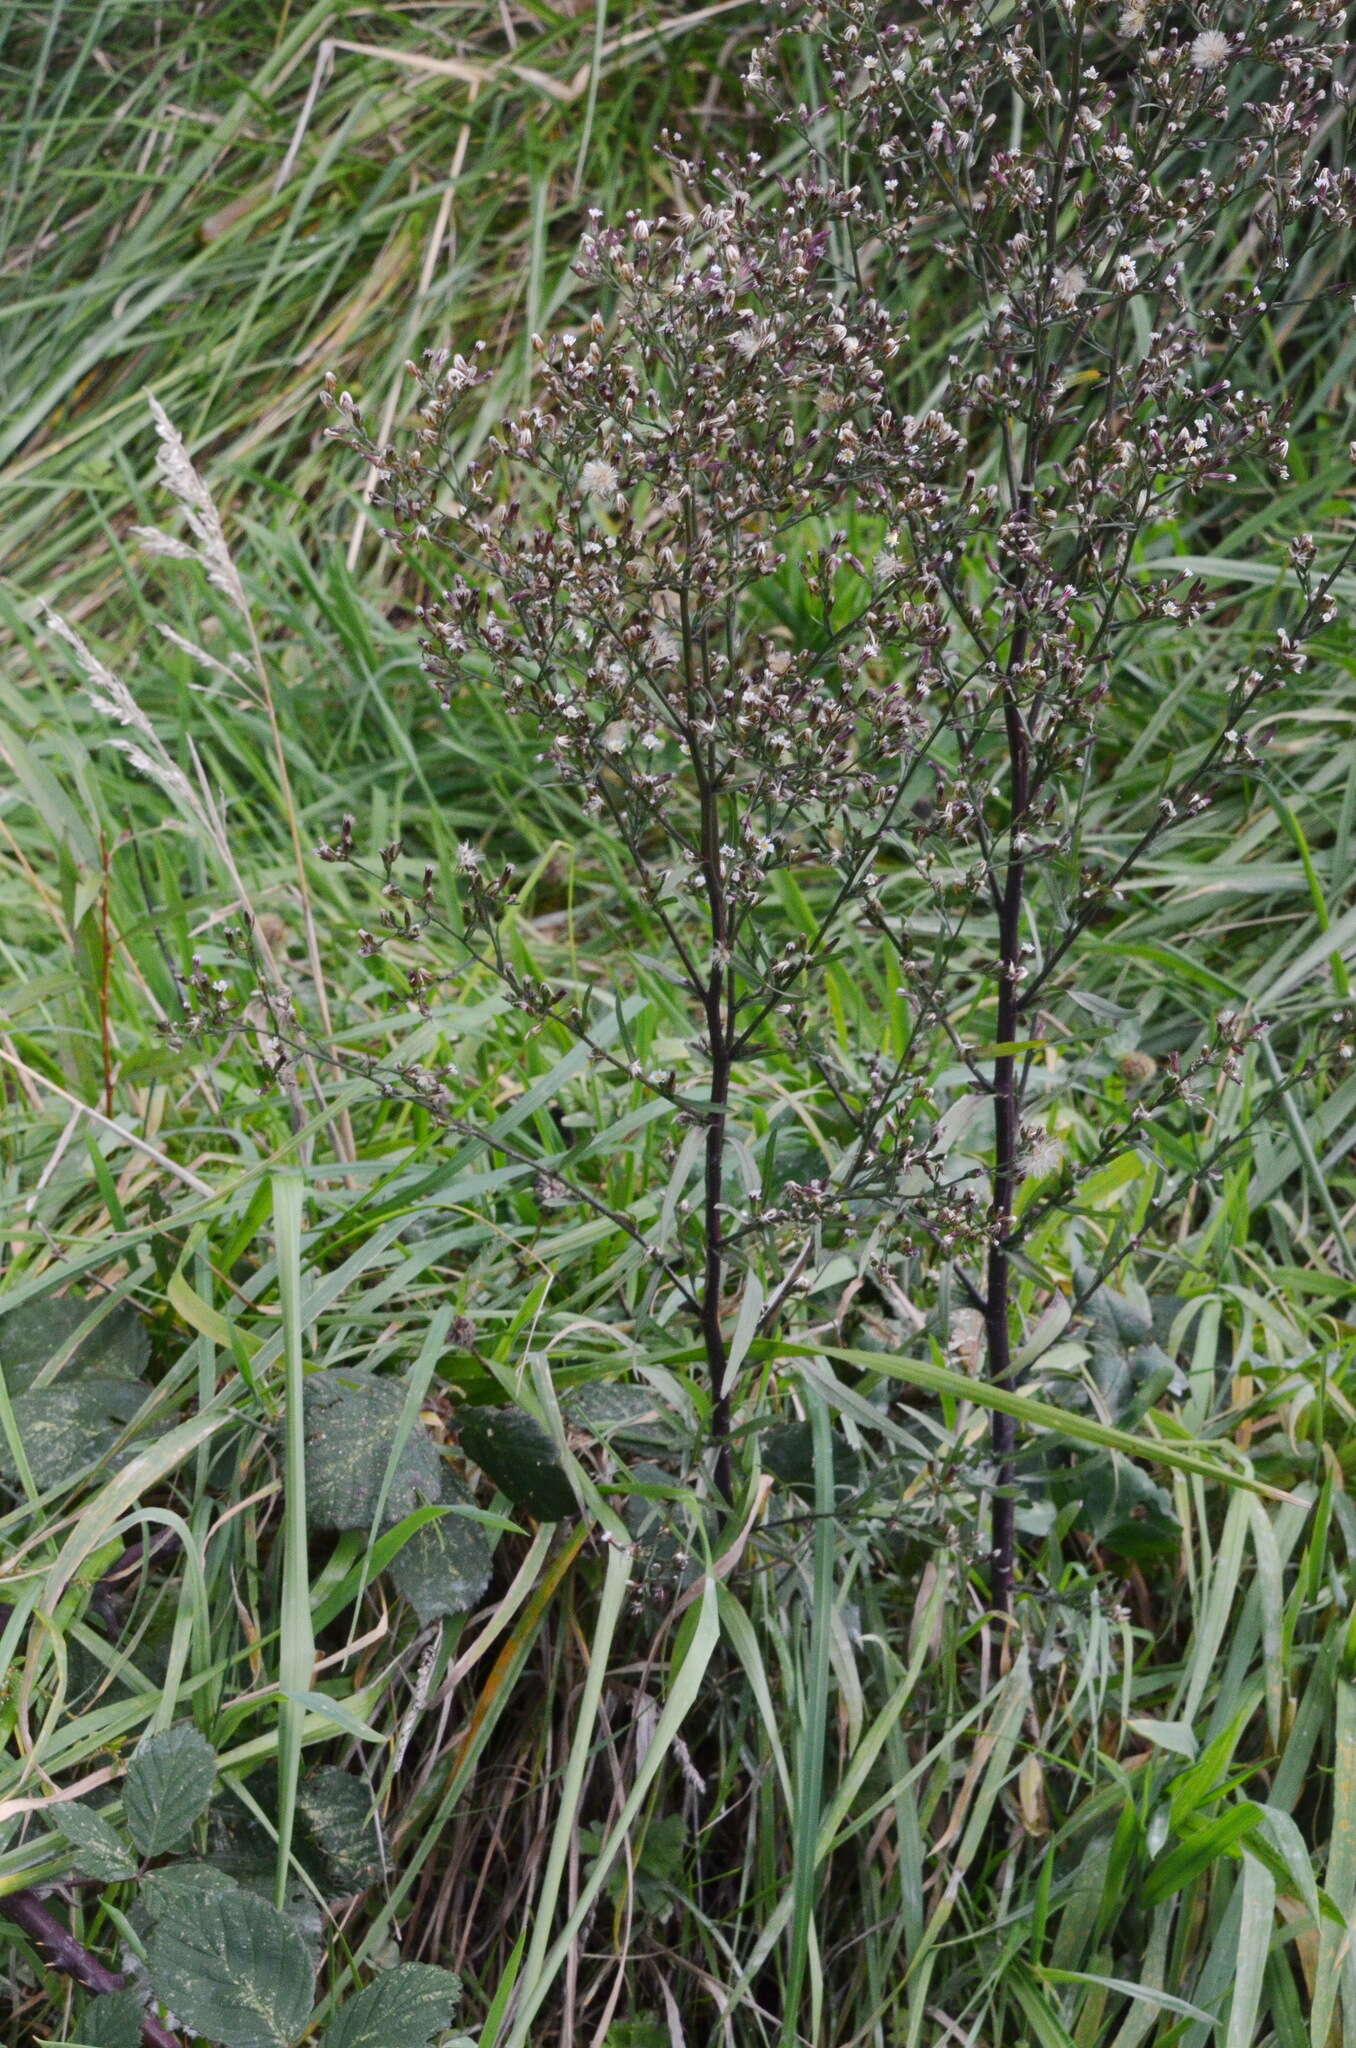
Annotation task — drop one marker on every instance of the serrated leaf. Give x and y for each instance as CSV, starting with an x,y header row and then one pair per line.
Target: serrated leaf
x,y
179,1887
513,1450
234,1969
169,1783
608,1409
118,1344
32,1335
340,1825
408,2004
787,1452
100,1850
446,1565
113,2020
352,1421
69,1428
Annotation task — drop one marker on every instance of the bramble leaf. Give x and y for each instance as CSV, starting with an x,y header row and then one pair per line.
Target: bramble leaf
x,y
513,1450
446,1565
169,1783
112,2020
100,1850
234,1969
408,2004
352,1421
336,1811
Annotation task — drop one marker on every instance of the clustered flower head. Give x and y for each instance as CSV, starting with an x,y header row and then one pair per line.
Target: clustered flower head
x,y
779,591
1210,50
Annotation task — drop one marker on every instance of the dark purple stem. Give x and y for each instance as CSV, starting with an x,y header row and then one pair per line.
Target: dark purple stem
x,y
70,1956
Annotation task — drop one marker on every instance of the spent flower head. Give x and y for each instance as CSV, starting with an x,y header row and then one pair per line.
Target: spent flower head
x,y
855,625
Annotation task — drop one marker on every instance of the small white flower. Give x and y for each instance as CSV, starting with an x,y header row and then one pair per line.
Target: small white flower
x,y
886,567
1134,21
665,647
1125,274
468,857
1210,50
1043,1157
1070,284
751,340
599,477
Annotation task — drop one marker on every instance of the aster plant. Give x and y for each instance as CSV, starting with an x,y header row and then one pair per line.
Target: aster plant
x,y
806,612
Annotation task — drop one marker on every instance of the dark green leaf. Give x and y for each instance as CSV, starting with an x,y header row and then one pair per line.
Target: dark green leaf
x,y
341,1828
169,1783
631,1415
513,1450
788,1454
112,2020
445,1566
33,1335
68,1428
100,1850
179,1886
407,2005
352,1421
234,1969
638,2033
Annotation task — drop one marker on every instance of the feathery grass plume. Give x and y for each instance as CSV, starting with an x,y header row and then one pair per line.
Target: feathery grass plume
x,y
175,469
110,696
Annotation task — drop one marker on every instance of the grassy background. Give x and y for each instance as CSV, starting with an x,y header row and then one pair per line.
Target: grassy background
x,y
849,1826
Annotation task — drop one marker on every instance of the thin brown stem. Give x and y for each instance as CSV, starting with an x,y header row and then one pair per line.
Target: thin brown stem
x,y
27,1912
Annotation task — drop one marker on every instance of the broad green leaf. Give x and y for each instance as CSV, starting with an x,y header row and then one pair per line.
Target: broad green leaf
x,y
67,1429
234,1969
352,1420
169,1783
612,1411
100,1850
112,2020
513,1450
446,1565
340,1826
179,1887
787,1452
407,2005
34,1334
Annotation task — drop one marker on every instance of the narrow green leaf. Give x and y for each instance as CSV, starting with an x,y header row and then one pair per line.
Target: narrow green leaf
x,y
1202,1847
